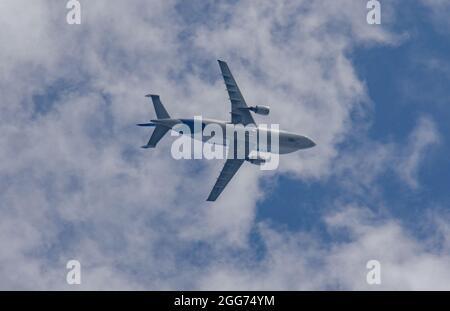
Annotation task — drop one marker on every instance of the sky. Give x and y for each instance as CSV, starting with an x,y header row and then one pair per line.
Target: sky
x,y
75,184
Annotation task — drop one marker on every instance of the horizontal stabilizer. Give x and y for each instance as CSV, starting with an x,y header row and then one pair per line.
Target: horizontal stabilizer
x,y
158,133
161,112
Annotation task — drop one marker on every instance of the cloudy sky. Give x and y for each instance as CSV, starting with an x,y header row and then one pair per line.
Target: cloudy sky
x,y
74,183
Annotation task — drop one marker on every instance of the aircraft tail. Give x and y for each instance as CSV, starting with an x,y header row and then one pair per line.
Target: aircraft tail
x,y
160,130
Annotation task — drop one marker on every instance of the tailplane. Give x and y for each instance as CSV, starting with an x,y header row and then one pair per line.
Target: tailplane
x,y
161,112
158,133
160,130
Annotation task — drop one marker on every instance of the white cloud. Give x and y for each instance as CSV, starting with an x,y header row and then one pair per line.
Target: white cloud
x,y
421,140
360,167
302,262
74,184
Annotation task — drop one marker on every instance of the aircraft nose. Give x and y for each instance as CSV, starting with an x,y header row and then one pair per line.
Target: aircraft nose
x,y
311,143
305,142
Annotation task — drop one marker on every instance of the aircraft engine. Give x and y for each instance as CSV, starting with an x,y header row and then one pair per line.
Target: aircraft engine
x,y
262,110
257,161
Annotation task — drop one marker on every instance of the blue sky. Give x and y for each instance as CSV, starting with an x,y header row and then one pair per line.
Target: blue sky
x,y
76,185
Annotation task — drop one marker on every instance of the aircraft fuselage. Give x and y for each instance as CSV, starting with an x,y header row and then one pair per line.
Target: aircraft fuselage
x,y
287,142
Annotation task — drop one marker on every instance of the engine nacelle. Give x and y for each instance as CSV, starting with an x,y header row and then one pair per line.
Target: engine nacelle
x,y
258,158
257,161
263,110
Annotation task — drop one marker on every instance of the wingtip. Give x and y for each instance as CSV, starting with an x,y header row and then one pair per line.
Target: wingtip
x,y
147,147
211,198
151,95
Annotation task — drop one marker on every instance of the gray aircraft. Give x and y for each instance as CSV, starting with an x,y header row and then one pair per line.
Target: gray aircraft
x,y
240,115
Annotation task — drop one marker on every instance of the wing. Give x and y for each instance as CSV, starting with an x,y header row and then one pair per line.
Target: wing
x,y
239,109
229,169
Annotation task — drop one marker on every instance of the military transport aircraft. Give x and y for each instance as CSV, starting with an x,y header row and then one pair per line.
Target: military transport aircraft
x,y
240,115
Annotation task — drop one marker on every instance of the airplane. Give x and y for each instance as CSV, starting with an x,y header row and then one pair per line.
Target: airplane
x,y
240,114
